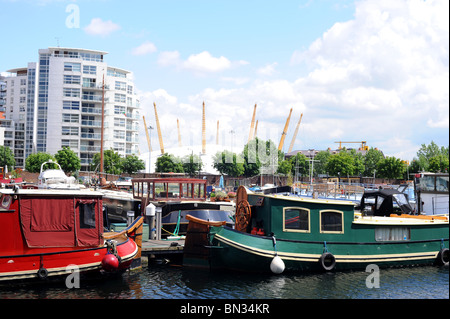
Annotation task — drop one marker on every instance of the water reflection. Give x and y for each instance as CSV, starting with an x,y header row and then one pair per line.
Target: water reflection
x,y
162,282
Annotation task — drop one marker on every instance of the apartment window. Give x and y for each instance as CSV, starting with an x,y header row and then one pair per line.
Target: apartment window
x,y
70,118
118,122
23,90
119,134
119,110
331,222
116,73
71,92
119,147
73,67
119,98
23,82
22,99
122,86
72,79
296,219
89,69
71,105
68,130
130,89
69,143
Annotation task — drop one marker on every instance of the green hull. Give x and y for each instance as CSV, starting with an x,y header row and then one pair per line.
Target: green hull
x,y
350,240
245,252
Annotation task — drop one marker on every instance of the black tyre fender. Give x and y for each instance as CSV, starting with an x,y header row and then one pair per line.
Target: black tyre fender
x,y
327,261
42,273
442,257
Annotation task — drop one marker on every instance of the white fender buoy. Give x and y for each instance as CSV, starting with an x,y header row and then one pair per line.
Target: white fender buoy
x,y
277,265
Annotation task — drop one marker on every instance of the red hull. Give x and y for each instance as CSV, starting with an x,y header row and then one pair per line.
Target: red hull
x,y
40,263
43,232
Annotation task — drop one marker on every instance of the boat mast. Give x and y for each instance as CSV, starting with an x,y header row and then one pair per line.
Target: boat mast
x,y
103,123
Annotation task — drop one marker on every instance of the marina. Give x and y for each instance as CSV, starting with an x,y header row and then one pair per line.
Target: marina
x,y
177,284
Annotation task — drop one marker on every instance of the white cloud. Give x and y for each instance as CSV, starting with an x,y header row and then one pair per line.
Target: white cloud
x,y
269,69
382,77
100,27
145,48
201,63
205,62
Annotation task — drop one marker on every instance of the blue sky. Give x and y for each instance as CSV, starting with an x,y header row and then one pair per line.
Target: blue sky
x,y
375,71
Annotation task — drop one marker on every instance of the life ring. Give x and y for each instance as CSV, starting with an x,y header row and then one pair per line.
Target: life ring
x,y
327,261
243,215
442,257
42,273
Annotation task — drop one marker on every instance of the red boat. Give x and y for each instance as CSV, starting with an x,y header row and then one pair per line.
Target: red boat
x,y
44,231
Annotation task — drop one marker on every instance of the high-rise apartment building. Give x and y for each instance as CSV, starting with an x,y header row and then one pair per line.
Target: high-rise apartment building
x,y
58,101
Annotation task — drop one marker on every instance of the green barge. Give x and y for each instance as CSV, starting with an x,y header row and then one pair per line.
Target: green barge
x,y
287,233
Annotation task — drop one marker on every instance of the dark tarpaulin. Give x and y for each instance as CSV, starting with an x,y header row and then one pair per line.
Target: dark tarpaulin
x,y
53,221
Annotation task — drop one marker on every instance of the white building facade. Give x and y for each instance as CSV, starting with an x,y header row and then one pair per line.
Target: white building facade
x,y
58,102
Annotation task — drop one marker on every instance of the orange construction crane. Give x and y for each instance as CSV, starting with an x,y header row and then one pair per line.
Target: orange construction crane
x,y
252,125
203,130
161,145
283,135
179,133
364,146
217,135
295,134
148,136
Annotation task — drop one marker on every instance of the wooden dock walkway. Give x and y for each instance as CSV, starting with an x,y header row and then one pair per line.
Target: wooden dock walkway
x,y
162,247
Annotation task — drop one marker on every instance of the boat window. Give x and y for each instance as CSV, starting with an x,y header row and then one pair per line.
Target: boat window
x,y
426,183
442,183
87,215
331,221
6,201
380,200
296,219
392,233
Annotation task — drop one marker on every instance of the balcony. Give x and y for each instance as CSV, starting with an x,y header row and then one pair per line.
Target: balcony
x,y
94,86
92,123
93,98
90,149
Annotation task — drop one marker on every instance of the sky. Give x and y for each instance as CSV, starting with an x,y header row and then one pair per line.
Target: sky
x,y
369,70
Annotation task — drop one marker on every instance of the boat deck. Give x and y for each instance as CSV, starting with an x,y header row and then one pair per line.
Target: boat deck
x,y
162,247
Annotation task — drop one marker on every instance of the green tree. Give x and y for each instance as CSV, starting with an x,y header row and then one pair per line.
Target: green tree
x,y
438,163
300,164
34,161
132,164
358,162
391,167
320,167
341,163
192,164
251,158
168,163
112,162
7,158
432,155
285,167
371,160
68,159
229,163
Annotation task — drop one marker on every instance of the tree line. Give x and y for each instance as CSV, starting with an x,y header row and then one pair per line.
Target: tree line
x,y
257,157
113,162
263,157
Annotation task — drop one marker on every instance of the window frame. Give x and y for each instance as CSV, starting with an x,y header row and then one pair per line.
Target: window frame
x,y
331,231
308,211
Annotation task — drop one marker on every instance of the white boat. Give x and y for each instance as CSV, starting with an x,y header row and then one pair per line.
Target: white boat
x,y
56,178
432,193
